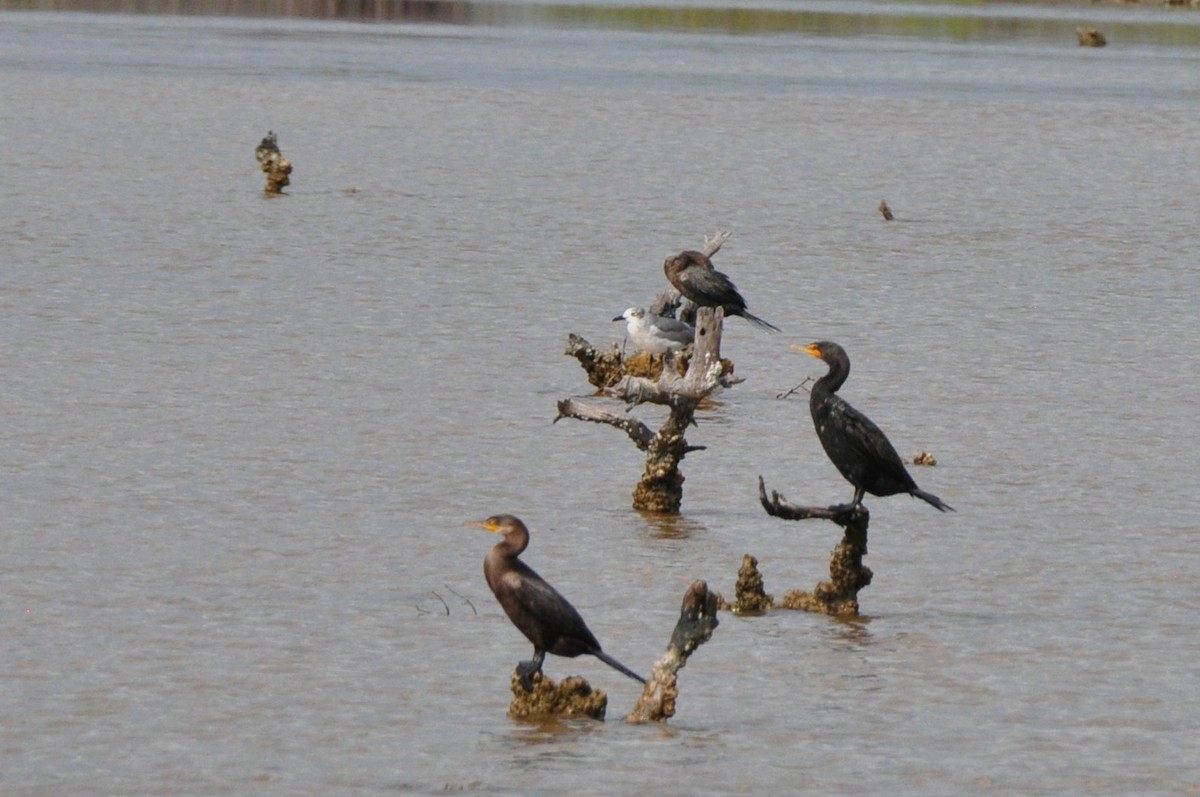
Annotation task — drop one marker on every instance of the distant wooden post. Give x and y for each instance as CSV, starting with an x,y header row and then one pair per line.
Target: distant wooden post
x,y
274,165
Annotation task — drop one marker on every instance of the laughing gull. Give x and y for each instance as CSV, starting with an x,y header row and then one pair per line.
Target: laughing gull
x,y
655,334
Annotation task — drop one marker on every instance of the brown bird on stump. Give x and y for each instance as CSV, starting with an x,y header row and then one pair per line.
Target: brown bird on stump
x,y
859,448
537,609
693,275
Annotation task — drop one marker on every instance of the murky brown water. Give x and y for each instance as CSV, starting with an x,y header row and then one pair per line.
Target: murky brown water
x,y
241,434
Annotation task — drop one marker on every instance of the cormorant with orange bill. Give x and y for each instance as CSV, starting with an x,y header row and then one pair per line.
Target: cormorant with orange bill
x,y
537,609
859,448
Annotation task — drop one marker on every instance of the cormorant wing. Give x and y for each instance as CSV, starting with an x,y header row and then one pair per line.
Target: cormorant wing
x,y
707,282
545,615
869,440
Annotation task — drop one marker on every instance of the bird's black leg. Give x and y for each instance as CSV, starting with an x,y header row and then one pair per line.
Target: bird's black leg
x,y
526,669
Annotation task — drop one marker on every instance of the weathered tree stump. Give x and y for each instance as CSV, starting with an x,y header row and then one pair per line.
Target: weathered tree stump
x,y
677,383
847,574
274,165
572,697
697,621
661,486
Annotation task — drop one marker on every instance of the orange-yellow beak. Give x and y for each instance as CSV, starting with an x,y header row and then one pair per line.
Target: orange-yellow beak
x,y
809,349
487,525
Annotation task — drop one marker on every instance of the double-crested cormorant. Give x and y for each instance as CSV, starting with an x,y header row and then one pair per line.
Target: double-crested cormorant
x,y
693,275
536,608
858,447
654,333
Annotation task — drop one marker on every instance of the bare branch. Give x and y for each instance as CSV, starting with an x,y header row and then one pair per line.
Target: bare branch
x,y
788,393
661,485
778,506
666,303
638,432
462,598
603,367
847,574
713,245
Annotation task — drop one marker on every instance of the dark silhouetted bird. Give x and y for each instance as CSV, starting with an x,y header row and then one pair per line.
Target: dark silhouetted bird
x,y
536,608
859,448
693,275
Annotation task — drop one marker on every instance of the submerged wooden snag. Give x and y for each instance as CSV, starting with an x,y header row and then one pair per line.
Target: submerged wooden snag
x,y
697,621
661,486
886,211
924,458
572,697
274,165
847,574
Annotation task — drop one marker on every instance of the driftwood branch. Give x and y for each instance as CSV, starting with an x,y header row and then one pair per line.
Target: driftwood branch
x,y
661,485
638,432
713,245
697,621
778,506
603,366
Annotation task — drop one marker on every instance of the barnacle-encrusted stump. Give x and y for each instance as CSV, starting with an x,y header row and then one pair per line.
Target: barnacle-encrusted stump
x,y
751,596
572,697
661,486
697,621
274,165
604,367
847,574
665,381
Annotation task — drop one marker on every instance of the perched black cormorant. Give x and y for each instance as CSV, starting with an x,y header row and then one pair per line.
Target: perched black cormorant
x,y
693,275
858,447
536,608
